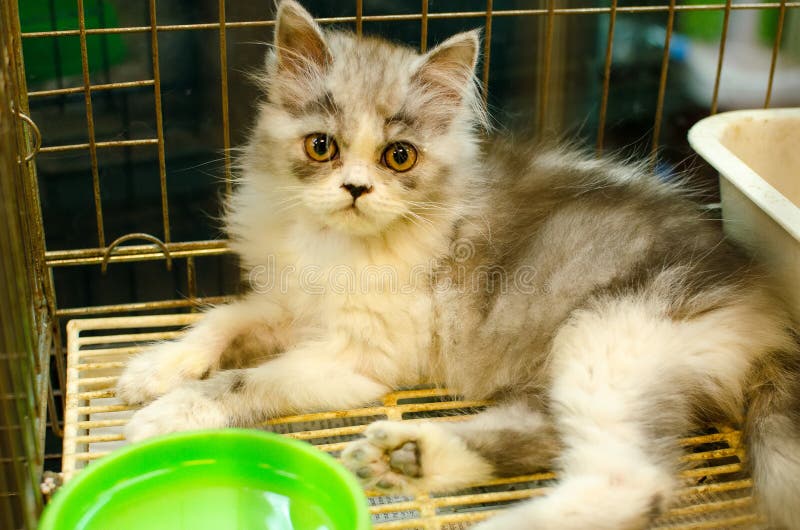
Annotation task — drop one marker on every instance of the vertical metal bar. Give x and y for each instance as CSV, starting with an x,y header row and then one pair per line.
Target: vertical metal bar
x,y
32,198
775,48
487,49
44,294
191,282
60,356
722,41
159,120
359,15
548,49
601,125
662,84
98,207
56,53
55,426
223,69
423,38
20,420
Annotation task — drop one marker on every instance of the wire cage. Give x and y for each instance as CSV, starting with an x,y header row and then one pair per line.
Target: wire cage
x,y
111,178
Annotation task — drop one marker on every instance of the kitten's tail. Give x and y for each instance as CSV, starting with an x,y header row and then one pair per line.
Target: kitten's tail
x,y
772,432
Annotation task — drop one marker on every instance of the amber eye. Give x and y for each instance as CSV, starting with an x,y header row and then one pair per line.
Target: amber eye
x,y
320,147
400,156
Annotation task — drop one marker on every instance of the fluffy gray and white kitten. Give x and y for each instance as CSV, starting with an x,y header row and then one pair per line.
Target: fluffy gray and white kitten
x,y
389,245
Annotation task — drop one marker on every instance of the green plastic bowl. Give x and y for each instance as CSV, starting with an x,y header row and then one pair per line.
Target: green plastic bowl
x,y
226,479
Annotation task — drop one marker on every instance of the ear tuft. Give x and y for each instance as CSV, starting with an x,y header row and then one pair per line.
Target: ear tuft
x,y
299,42
450,66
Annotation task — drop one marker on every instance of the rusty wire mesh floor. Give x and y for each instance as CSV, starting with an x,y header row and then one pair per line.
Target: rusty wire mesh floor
x,y
717,493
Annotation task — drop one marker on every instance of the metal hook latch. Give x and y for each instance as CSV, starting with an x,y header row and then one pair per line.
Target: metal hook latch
x,y
37,136
147,237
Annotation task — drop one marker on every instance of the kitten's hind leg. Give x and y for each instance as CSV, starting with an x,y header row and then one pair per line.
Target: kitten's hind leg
x,y
604,485
437,456
619,400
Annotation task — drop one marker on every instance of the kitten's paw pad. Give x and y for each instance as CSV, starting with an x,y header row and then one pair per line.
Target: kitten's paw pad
x,y
411,457
182,409
388,458
405,460
155,372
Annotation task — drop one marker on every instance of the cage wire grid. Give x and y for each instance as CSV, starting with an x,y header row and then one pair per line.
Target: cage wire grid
x,y
50,316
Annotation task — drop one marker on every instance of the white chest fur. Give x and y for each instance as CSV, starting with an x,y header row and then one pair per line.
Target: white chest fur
x,y
373,304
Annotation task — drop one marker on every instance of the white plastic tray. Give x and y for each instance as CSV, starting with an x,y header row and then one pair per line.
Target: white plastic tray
x,y
757,153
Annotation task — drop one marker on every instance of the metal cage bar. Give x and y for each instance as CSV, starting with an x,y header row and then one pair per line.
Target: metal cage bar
x,y
423,31
547,60
416,16
662,83
723,39
223,79
775,48
601,126
92,144
487,48
24,335
359,19
162,169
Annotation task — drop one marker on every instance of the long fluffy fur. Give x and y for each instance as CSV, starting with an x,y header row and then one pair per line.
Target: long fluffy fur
x,y
594,302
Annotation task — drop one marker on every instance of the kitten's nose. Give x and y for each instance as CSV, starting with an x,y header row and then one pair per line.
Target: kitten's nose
x,y
357,191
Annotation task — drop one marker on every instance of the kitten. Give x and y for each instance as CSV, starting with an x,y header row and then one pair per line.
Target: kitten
x,y
388,246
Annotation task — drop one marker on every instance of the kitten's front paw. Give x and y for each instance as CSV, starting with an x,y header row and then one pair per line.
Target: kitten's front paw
x,y
155,372
183,409
388,458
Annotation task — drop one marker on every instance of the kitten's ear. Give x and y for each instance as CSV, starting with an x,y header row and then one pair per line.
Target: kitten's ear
x,y
299,42
450,66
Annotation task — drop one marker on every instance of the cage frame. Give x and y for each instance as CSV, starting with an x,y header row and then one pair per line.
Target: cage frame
x,y
48,317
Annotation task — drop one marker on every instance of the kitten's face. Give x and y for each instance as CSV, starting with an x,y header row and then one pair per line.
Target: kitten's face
x,y
363,135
